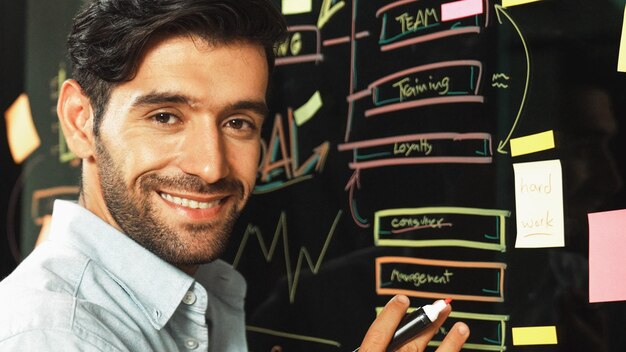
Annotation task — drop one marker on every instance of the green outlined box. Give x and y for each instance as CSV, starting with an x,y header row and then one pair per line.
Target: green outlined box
x,y
441,227
488,330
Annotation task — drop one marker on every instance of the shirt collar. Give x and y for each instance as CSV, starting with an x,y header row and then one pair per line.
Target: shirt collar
x,y
156,286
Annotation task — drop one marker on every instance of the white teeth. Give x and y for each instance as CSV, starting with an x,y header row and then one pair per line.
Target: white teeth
x,y
189,203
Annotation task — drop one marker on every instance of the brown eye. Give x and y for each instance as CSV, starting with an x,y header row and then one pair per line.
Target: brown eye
x,y
239,124
236,124
165,118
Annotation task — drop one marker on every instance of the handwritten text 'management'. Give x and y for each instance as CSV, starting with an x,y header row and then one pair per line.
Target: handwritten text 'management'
x,y
418,279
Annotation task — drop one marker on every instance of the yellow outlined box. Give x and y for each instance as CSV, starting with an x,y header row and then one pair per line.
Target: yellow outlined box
x,y
496,242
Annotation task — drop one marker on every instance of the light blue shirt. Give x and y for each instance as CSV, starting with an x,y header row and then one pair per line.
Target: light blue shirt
x,y
91,288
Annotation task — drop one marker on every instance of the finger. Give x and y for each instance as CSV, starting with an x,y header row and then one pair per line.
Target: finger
x,y
455,338
382,329
421,341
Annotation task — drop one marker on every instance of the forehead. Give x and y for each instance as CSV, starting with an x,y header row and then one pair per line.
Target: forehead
x,y
207,73
188,50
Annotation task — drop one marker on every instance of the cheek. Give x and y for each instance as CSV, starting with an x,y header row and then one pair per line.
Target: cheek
x,y
244,161
139,158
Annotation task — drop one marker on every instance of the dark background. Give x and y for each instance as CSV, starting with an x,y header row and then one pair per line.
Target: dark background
x,y
12,47
309,266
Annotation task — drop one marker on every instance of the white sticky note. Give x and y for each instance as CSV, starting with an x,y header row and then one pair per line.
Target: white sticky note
x,y
294,7
539,204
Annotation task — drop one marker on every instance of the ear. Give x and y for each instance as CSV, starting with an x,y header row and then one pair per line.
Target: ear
x,y
76,119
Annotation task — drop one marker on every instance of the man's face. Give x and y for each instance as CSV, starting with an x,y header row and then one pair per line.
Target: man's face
x,y
179,147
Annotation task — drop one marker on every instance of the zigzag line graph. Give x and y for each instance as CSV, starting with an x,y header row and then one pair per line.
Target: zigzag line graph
x,y
281,232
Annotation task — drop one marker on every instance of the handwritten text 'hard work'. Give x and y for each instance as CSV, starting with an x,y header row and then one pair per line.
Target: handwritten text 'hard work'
x,y
537,188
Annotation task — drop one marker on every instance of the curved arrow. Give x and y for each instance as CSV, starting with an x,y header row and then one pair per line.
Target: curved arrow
x,y
352,183
327,11
501,10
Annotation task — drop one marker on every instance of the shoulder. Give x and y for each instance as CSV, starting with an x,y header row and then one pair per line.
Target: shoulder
x,y
55,340
45,321
45,281
38,320
53,267
39,309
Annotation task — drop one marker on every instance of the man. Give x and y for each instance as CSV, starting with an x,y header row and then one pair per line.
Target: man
x,y
165,111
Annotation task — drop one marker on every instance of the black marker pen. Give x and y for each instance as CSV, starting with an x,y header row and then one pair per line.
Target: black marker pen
x,y
415,322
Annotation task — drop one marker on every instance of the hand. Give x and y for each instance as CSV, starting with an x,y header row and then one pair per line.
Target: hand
x,y
382,329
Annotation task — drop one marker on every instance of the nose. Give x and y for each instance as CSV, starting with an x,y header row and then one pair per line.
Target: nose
x,y
204,154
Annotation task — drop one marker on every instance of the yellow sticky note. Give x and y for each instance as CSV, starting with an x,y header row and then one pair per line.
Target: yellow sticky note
x,y
509,3
21,132
532,143
293,7
621,61
534,335
308,110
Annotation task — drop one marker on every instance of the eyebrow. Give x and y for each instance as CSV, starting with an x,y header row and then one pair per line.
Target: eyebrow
x,y
156,98
258,107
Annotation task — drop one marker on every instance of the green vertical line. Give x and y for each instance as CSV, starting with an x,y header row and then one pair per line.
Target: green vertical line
x,y
383,34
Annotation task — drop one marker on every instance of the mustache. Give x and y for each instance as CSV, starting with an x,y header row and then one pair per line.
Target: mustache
x,y
192,184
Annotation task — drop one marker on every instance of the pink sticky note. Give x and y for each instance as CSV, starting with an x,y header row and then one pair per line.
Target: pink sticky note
x,y
460,9
607,256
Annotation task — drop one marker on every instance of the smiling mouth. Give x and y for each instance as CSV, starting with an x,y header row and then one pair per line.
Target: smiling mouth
x,y
190,203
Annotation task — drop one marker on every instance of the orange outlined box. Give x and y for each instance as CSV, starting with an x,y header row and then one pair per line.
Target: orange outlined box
x,y
437,279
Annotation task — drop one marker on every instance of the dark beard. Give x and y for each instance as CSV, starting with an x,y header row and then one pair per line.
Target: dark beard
x,y
134,213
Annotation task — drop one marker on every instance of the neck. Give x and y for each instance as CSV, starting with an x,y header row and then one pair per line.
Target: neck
x,y
188,269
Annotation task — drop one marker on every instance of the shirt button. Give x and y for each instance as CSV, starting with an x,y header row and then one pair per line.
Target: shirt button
x,y
189,298
191,344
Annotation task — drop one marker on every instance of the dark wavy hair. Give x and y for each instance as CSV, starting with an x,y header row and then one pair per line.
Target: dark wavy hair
x,y
108,37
